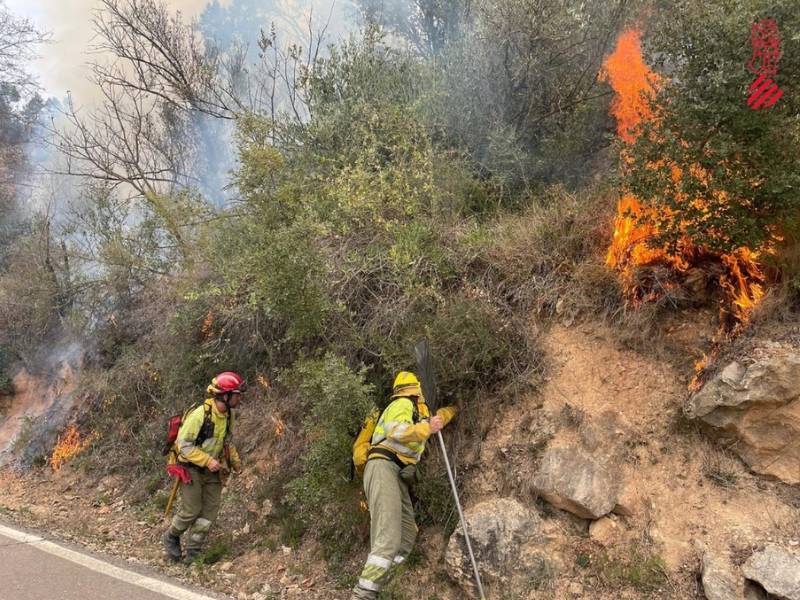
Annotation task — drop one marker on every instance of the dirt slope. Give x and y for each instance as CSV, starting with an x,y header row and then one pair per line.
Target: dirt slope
x,y
682,488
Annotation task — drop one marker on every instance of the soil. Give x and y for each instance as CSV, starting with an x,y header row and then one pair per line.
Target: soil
x,y
682,492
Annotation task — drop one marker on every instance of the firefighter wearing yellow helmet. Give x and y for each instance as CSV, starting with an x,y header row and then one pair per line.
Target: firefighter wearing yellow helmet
x,y
392,451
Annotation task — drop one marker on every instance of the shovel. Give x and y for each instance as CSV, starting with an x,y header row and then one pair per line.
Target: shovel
x,y
428,380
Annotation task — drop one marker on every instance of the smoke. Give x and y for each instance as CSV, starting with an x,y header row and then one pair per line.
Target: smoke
x,y
40,406
240,23
63,66
242,20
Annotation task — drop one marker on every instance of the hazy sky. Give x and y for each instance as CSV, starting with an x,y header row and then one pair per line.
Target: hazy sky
x,y
62,65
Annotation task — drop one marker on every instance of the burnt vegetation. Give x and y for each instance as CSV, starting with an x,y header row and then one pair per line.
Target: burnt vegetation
x,y
446,173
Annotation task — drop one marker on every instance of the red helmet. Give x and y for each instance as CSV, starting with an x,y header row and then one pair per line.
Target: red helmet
x,y
227,383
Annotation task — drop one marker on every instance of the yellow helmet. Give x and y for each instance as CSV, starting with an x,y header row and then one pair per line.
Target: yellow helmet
x,y
406,384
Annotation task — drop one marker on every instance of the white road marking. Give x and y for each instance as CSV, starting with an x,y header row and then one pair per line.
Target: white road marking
x,y
103,567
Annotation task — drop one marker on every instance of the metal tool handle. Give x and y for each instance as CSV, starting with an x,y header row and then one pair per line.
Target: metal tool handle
x,y
461,515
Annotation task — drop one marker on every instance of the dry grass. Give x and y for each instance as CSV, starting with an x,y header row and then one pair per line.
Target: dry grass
x,y
548,261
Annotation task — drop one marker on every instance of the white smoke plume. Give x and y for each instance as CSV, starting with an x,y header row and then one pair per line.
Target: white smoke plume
x,y
63,63
62,66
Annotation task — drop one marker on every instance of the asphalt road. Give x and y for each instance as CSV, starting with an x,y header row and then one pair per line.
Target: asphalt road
x,y
32,568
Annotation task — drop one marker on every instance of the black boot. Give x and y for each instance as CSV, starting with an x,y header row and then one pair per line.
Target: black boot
x,y
191,554
172,545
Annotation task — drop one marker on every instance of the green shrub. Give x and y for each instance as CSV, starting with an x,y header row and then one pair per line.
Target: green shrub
x,y
634,567
6,385
214,552
475,346
435,497
336,400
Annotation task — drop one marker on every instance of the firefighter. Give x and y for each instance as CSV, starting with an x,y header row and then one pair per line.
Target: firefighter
x,y
204,453
395,446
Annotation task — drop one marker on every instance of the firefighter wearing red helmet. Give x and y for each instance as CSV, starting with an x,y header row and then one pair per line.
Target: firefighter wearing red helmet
x,y
203,453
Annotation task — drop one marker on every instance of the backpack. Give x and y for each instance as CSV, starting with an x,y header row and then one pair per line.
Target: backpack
x,y
363,442
206,430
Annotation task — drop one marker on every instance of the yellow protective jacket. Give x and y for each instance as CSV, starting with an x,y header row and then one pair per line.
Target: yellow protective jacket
x,y
185,450
395,430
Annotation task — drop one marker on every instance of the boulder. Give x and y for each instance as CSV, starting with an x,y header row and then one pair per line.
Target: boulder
x,y
757,405
719,581
498,529
753,591
605,531
628,502
576,481
776,570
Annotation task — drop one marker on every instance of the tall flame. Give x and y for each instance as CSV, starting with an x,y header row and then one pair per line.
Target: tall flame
x,y
635,85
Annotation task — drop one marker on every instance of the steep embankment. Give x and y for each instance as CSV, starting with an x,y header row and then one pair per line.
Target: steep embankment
x,y
41,403
676,493
678,490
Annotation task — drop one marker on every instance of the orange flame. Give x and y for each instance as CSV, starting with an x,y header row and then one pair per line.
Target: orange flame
x,y
635,85
67,447
633,82
263,381
280,426
208,324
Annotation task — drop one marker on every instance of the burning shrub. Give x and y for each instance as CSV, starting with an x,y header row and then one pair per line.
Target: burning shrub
x,y
68,446
712,169
700,186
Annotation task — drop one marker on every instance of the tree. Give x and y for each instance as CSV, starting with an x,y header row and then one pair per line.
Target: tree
x,y
159,91
716,172
158,54
138,146
18,39
428,25
142,139
20,109
520,89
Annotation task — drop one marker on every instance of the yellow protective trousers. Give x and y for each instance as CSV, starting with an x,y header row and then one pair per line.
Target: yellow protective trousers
x,y
392,527
200,503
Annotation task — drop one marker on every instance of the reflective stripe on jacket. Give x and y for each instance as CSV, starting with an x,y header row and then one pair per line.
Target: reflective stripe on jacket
x,y
397,432
212,446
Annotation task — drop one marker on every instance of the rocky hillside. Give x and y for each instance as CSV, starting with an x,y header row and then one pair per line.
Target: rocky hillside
x,y
572,203
609,481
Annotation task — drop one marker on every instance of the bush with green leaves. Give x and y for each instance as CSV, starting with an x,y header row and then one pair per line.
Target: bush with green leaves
x,y
518,90
356,242
6,385
740,169
335,400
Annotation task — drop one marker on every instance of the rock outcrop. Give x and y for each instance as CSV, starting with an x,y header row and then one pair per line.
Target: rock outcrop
x,y
776,570
756,404
576,481
498,530
580,472
719,581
